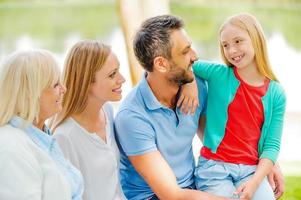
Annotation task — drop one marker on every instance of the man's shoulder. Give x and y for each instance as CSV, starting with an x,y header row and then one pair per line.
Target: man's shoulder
x,y
200,81
133,102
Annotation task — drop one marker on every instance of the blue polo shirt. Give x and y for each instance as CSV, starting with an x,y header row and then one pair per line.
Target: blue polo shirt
x,y
144,125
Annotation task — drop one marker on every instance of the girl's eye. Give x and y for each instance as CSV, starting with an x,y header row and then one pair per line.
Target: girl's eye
x,y
56,85
225,45
237,41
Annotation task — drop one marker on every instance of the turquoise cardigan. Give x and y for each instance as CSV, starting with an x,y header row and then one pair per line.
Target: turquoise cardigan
x,y
222,87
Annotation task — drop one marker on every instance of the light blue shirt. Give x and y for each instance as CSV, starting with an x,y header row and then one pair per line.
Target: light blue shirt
x,y
48,144
144,125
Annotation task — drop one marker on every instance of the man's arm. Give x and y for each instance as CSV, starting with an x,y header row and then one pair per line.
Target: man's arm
x,y
160,177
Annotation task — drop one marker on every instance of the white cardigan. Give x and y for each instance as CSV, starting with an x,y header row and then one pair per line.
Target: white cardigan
x,y
26,171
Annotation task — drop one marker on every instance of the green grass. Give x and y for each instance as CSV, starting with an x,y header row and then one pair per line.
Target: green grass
x,y
203,20
52,24
292,188
292,173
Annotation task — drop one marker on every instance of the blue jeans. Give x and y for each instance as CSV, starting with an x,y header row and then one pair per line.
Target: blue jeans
x,y
222,179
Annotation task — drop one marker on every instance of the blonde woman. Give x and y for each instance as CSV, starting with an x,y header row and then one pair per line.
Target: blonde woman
x,y
84,128
32,165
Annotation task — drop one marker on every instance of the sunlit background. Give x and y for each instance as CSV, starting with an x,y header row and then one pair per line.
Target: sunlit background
x,y
57,24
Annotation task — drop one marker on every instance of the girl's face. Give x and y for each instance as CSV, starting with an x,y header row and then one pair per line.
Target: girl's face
x,y
108,81
51,100
237,46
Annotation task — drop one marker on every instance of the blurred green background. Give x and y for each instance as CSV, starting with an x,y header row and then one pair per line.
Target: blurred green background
x,y
55,24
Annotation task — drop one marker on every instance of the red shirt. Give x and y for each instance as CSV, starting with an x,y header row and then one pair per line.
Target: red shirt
x,y
243,128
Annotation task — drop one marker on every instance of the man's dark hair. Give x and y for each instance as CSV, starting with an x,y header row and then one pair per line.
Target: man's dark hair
x,y
153,39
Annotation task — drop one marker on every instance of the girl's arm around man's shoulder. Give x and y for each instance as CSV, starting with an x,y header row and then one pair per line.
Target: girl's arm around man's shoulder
x,y
208,69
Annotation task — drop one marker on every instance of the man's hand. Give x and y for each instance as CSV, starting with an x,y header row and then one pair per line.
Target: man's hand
x,y
276,180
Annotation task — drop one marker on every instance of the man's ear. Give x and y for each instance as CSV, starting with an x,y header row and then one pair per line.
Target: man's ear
x,y
161,64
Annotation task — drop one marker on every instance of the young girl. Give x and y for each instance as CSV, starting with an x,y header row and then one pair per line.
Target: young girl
x,y
244,118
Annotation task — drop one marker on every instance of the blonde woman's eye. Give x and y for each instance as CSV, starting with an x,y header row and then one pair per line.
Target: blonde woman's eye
x,y
112,75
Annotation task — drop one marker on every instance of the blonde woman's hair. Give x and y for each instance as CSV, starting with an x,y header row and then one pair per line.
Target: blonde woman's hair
x,y
83,61
25,74
250,24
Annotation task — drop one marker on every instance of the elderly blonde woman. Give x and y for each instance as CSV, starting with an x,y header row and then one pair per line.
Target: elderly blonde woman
x,y
32,165
84,128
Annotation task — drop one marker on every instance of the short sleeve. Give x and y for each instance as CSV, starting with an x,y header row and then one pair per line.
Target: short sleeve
x,y
134,133
202,92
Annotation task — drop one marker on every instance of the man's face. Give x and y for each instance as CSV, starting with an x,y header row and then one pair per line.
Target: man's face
x,y
182,58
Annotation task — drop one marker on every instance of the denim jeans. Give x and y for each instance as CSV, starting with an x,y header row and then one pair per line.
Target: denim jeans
x,y
223,179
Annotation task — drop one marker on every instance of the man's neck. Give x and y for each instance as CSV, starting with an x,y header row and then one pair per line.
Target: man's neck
x,y
164,91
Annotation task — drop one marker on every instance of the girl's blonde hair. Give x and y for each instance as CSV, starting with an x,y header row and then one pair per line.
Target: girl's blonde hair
x,y
250,24
25,74
83,61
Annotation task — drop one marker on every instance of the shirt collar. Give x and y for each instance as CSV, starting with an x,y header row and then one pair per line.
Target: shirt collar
x,y
149,98
41,138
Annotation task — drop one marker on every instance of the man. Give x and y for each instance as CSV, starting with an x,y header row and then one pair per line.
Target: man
x,y
154,136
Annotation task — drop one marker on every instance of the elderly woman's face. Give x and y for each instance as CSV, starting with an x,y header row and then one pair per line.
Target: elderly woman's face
x,y
51,100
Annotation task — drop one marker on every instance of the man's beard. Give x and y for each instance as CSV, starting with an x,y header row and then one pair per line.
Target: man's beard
x,y
180,76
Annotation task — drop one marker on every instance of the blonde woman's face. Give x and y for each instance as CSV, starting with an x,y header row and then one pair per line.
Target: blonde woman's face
x,y
51,100
108,81
237,46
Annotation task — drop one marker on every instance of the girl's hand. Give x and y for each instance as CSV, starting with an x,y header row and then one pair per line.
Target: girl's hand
x,y
189,100
247,189
276,181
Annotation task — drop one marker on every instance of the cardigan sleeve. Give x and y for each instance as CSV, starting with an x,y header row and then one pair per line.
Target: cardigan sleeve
x,y
207,69
19,176
271,146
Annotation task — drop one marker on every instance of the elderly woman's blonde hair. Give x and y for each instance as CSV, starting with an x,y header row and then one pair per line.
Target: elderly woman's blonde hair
x,y
250,24
25,74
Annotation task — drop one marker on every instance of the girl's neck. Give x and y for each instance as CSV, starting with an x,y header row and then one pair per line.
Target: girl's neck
x,y
251,75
